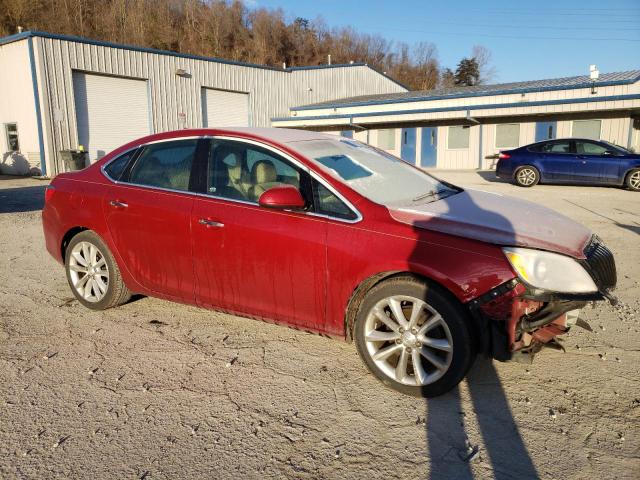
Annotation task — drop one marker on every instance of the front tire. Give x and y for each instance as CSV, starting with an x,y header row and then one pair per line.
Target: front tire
x,y
632,182
414,337
527,176
93,274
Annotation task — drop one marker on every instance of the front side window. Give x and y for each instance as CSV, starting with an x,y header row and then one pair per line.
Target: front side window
x,y
240,171
458,137
11,131
328,203
590,148
374,173
507,135
165,165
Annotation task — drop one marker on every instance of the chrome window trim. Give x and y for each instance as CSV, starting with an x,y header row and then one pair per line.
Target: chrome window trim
x,y
297,163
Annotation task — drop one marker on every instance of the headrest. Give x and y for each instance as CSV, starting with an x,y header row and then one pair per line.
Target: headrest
x,y
263,171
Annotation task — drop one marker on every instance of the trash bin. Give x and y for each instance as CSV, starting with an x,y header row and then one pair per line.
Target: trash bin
x,y
74,159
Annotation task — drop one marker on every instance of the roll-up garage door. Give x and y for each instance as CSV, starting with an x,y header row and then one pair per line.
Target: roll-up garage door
x,y
110,111
225,109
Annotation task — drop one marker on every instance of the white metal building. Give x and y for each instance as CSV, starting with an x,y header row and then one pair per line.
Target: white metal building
x,y
58,92
465,127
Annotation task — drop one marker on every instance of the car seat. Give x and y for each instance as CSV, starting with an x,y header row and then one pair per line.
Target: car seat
x,y
263,177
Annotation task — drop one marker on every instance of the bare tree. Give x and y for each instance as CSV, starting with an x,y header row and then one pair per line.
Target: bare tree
x,y
228,29
482,56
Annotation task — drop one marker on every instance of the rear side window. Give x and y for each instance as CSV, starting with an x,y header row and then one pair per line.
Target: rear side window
x,y
165,165
115,168
557,147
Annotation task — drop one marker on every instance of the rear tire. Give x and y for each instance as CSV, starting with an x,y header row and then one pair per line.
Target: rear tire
x,y
527,176
92,273
632,182
425,353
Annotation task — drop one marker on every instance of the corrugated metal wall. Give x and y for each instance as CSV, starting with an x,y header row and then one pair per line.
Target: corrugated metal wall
x,y
176,101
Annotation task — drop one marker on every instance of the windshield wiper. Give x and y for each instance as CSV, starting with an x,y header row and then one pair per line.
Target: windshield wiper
x,y
432,193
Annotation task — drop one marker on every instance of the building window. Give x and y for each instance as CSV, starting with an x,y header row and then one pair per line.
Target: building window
x,y
507,135
11,131
387,139
346,133
458,137
586,129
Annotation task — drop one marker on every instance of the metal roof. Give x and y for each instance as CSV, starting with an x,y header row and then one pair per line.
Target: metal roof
x,y
71,38
565,83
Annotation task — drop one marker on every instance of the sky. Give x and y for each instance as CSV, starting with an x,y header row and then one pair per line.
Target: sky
x,y
528,40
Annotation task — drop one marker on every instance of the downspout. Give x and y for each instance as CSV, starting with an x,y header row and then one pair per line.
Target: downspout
x,y
480,163
36,98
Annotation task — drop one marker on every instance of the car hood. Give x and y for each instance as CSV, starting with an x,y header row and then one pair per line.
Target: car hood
x,y
500,220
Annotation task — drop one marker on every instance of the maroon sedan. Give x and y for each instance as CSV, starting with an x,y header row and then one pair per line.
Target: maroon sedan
x,y
328,235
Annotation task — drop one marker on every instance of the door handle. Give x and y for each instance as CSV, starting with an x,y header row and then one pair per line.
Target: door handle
x,y
210,223
118,204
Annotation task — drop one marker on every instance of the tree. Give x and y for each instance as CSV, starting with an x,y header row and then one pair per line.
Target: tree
x,y
467,74
482,56
227,29
447,78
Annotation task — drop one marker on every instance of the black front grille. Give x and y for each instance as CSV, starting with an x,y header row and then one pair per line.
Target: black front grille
x,y
601,264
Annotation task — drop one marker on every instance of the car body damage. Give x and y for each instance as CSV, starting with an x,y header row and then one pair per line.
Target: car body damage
x,y
515,319
499,220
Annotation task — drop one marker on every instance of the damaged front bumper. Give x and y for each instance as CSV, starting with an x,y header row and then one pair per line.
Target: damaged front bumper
x,y
515,322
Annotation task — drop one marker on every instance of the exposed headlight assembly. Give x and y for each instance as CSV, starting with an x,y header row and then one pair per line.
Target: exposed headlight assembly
x,y
550,271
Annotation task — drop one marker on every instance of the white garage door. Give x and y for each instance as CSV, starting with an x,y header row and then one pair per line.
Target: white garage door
x,y
224,109
110,111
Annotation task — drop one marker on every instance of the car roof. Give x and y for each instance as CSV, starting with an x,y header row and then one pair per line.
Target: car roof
x,y
276,135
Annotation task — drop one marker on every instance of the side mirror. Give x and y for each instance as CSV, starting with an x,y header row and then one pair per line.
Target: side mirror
x,y
283,197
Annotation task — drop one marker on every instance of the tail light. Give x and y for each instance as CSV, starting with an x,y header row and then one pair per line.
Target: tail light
x,y
48,193
503,156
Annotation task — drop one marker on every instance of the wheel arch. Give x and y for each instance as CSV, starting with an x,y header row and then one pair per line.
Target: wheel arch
x,y
628,172
66,239
361,290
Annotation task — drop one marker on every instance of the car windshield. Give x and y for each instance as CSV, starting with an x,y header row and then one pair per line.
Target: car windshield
x,y
374,173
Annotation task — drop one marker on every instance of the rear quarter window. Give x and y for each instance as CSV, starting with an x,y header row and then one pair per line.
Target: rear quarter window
x,y
115,168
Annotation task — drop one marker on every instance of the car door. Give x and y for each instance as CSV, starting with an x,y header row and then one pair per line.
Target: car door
x,y
148,213
255,260
559,161
598,163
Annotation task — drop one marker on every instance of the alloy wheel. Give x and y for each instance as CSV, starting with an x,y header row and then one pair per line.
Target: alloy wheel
x,y
526,176
634,180
88,271
408,340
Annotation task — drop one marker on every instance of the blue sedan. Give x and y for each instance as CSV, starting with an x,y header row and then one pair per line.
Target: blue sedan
x,y
570,161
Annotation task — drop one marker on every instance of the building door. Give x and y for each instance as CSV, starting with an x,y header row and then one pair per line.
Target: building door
x,y
221,108
546,131
408,146
110,111
346,133
429,148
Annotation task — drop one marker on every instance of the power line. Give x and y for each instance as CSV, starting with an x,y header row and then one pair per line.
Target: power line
x,y
563,27
564,13
526,37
